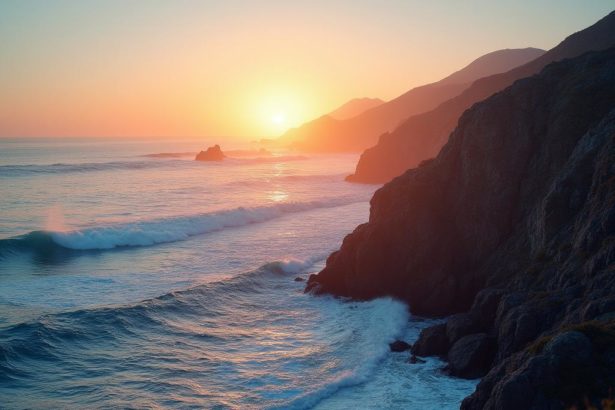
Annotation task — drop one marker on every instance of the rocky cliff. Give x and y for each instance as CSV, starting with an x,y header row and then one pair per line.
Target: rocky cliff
x,y
422,136
512,229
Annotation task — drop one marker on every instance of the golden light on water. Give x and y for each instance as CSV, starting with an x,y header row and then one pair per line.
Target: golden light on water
x,y
278,196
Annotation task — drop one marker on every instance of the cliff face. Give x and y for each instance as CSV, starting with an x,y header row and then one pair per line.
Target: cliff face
x,y
421,136
512,223
327,134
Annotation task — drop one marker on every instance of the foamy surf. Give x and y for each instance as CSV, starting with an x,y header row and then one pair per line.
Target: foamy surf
x,y
383,320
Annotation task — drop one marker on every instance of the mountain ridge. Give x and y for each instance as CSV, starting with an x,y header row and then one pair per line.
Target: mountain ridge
x,y
421,136
354,107
325,134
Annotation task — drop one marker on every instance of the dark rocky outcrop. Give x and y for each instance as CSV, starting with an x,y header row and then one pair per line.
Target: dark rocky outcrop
x,y
399,346
421,136
471,356
327,134
513,225
212,154
432,341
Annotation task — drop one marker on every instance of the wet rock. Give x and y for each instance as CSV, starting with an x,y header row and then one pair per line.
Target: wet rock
x,y
299,279
471,356
461,325
432,341
399,346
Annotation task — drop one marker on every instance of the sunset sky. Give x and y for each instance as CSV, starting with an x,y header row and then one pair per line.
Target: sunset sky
x,y
242,68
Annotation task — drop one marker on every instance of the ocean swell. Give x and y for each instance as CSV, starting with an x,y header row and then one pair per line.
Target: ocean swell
x,y
45,337
151,232
170,160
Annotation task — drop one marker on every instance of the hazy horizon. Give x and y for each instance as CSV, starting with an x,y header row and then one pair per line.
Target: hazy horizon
x,y
204,69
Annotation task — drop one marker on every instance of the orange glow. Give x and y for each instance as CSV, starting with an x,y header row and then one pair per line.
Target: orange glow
x,y
250,69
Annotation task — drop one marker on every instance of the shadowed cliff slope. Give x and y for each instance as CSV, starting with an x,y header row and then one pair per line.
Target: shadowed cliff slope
x,y
357,133
513,223
421,137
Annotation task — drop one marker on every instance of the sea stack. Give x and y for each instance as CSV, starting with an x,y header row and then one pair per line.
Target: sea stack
x,y
212,154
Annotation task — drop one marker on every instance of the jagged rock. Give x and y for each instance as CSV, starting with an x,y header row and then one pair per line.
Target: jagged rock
x,y
432,341
460,325
212,154
485,306
399,346
558,371
471,356
572,348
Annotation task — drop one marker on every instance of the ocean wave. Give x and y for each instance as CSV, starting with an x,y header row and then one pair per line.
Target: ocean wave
x,y
172,160
204,319
62,168
383,321
45,338
151,232
170,155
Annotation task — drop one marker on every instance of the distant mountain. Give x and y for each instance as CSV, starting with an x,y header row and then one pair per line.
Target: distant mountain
x,y
328,134
511,229
495,62
355,107
420,137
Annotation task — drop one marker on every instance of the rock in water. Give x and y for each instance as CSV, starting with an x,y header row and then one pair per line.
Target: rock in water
x,y
399,346
432,341
212,154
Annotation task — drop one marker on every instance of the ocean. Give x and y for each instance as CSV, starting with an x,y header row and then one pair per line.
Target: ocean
x,y
132,276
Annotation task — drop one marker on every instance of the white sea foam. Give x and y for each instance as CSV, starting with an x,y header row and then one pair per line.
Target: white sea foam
x,y
380,322
144,233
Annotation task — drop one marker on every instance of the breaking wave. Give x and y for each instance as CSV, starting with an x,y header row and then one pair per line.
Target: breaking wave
x,y
151,232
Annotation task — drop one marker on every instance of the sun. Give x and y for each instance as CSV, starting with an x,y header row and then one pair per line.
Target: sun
x,y
278,118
